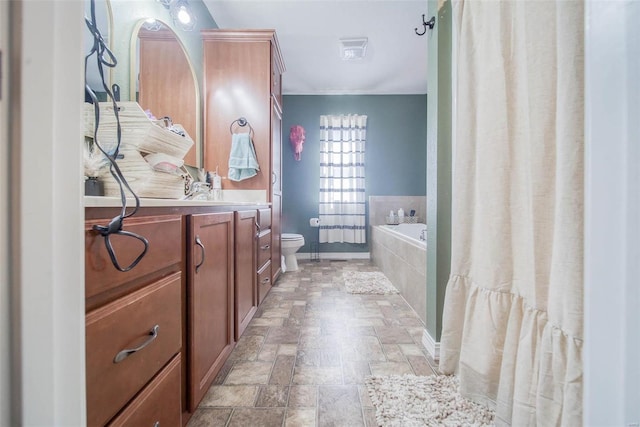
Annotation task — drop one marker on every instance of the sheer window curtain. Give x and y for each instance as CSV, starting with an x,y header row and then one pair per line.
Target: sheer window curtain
x,y
513,314
342,181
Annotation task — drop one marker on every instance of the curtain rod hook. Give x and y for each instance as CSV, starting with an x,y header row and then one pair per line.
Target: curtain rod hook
x,y
430,23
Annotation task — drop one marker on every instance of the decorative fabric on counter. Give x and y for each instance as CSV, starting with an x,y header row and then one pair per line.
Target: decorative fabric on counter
x,y
242,158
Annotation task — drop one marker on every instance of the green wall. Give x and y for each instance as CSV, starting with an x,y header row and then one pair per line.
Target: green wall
x,y
395,157
439,165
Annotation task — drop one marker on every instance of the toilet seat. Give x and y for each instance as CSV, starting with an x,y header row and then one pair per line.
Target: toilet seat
x,y
291,236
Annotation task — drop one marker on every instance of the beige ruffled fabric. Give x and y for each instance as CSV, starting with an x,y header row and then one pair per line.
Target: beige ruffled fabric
x,y
513,316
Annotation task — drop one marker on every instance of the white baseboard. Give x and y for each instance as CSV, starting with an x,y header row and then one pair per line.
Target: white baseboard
x,y
431,345
306,256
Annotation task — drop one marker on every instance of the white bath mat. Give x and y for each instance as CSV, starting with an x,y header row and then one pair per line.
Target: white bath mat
x,y
411,401
368,282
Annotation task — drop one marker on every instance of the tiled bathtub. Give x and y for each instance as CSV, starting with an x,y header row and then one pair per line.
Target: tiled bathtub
x,y
404,261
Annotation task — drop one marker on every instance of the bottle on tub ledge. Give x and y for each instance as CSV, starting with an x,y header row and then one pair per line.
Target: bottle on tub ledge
x,y
400,216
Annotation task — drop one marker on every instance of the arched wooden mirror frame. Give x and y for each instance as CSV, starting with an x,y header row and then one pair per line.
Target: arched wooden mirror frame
x,y
193,158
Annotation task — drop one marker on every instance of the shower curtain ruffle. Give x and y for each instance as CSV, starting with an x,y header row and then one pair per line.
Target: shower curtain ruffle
x,y
496,334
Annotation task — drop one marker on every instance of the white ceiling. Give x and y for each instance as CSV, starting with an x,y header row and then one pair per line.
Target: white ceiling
x,y
309,33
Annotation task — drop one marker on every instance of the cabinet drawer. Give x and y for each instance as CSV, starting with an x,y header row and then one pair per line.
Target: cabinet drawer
x,y
264,247
264,281
164,234
264,218
158,404
127,323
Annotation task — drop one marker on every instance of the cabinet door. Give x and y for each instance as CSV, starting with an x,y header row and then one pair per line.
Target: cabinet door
x,y
210,299
246,293
276,232
276,189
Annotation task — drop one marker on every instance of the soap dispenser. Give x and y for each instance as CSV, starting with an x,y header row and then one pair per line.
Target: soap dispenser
x,y
400,215
216,186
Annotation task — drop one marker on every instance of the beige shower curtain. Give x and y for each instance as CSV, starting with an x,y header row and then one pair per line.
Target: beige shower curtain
x,y
513,315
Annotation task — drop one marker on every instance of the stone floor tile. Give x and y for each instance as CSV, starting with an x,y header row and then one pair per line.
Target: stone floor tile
x,y
365,400
268,353
247,348
390,368
393,353
273,396
300,417
420,365
249,373
255,330
207,417
370,417
268,321
230,395
282,370
321,358
283,335
224,371
411,349
256,417
339,406
393,335
287,349
313,375
304,396
354,372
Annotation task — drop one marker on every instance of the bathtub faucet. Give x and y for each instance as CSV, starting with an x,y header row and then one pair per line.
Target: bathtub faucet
x,y
423,234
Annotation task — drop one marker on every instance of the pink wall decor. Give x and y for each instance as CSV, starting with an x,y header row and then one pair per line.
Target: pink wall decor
x,y
296,137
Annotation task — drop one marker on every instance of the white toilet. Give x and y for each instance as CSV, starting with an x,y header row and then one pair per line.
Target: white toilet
x,y
290,245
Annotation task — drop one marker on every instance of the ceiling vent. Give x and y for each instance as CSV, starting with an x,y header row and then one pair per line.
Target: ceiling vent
x,y
353,48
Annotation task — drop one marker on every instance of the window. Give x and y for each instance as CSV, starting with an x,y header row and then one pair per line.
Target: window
x,y
342,180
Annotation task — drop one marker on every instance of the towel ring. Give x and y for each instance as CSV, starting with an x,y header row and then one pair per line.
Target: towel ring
x,y
242,122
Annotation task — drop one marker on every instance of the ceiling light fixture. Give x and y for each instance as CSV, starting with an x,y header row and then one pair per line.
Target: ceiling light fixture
x,y
353,48
181,13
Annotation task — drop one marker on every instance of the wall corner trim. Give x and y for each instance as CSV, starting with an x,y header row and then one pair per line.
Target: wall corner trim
x,y
431,345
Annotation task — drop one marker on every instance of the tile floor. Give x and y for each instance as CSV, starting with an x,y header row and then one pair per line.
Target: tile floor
x,y
303,358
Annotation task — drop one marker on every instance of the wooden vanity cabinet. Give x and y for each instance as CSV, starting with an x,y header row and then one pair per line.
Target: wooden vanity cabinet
x,y
182,309
246,291
210,299
134,323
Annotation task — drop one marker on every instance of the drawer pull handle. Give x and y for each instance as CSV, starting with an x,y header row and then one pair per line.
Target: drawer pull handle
x,y
128,352
199,243
265,247
266,280
156,424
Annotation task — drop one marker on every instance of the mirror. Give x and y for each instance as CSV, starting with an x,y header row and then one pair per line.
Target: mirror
x,y
104,21
164,82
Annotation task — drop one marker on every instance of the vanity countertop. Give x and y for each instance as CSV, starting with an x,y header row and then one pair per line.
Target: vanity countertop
x,y
110,202
229,198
